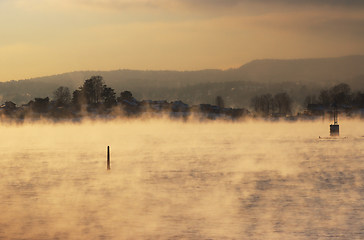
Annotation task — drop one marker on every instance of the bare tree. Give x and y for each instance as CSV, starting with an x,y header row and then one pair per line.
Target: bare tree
x,y
341,93
268,104
358,99
283,102
325,98
220,102
254,103
93,88
263,104
62,96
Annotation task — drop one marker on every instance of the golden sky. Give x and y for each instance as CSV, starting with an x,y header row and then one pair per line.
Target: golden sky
x,y
46,37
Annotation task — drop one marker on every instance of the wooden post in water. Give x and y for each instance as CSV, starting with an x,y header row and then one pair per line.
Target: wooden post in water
x,y
108,158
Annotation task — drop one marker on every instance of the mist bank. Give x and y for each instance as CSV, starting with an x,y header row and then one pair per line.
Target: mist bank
x,y
170,180
296,77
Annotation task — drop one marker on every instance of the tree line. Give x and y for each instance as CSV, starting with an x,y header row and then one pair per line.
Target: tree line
x,y
281,103
94,91
96,98
340,93
95,94
236,94
266,104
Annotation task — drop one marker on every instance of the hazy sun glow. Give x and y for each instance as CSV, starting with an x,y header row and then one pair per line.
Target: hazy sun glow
x,y
44,37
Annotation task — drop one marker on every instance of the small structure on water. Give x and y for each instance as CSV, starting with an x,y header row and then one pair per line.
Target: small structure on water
x,y
334,128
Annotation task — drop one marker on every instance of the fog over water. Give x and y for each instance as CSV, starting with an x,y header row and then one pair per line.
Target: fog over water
x,y
182,180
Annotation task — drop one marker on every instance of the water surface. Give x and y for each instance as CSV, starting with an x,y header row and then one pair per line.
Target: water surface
x,y
174,180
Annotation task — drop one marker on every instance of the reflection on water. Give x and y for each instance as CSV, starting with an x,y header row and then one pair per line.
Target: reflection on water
x,y
172,180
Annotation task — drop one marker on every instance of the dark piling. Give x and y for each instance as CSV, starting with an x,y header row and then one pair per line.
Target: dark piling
x,y
108,158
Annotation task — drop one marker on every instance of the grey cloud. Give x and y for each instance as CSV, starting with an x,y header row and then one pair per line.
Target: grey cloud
x,y
334,3
217,5
341,28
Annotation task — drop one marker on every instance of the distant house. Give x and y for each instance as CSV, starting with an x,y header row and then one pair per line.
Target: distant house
x,y
8,107
208,108
344,108
278,115
179,106
154,106
39,104
130,105
316,109
236,112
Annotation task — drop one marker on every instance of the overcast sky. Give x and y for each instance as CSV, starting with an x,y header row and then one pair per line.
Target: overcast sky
x,y
46,37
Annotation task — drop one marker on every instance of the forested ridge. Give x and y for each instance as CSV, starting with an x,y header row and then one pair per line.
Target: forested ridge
x,y
95,98
298,78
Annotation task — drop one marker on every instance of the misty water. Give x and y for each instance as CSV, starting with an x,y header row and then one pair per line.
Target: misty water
x,y
182,180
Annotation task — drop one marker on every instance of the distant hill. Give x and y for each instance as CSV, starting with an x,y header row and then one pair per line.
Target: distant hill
x,y
306,70
148,84
266,70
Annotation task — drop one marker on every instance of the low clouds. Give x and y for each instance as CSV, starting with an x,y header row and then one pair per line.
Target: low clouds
x,y
173,34
215,7
206,5
307,14
267,3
